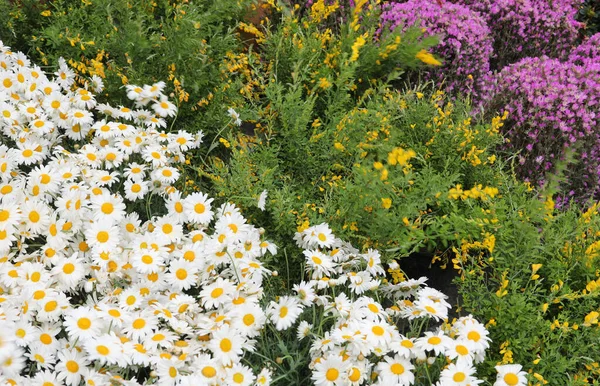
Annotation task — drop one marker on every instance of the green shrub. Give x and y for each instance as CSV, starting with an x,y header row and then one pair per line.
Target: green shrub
x,y
537,288
137,42
334,142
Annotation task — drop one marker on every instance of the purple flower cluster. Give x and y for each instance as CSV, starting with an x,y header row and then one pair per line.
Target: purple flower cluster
x,y
587,52
523,28
554,110
465,42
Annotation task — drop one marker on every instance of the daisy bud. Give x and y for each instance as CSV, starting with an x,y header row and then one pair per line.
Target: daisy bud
x,y
153,374
274,273
88,286
279,360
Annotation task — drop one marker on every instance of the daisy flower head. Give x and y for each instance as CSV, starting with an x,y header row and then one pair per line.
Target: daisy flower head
x,y
305,292
96,84
436,310
395,370
104,349
284,312
474,331
165,174
71,365
331,371
463,350
235,116
107,207
182,274
82,323
135,190
510,375
135,172
264,378
138,326
321,235
249,318
459,375
69,271
218,293
198,209
304,329
433,341
239,375
319,263
102,235
181,141
226,345
163,108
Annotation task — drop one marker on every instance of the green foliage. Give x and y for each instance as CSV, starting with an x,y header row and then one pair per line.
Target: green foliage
x,y
398,171
589,14
135,41
538,288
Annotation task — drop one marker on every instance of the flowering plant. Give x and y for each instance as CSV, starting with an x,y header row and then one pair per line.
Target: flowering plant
x,y
551,114
465,41
98,289
522,28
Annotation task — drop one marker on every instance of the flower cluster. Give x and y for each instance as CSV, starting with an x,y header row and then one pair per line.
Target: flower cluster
x,y
465,41
363,343
586,52
95,289
522,28
551,115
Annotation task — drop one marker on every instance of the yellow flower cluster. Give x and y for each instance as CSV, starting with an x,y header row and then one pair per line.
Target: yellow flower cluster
x,y
319,11
476,192
360,41
427,58
399,156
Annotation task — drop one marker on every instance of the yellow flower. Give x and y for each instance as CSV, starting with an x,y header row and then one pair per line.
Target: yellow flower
x,y
46,13
591,319
386,203
360,41
339,146
324,83
225,142
427,58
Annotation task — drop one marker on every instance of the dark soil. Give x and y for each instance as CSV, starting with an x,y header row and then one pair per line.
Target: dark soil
x,y
419,264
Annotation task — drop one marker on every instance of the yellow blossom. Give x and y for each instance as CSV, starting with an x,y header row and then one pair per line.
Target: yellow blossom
x,y
360,41
591,319
386,203
225,142
324,83
427,58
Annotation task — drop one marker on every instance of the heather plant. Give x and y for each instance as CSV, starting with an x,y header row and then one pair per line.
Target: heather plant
x,y
528,28
588,52
552,113
465,41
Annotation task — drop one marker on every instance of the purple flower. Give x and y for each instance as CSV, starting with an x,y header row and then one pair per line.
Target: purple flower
x,y
465,42
552,117
522,28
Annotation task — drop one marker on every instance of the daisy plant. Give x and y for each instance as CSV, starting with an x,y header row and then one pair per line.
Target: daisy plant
x,y
111,275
